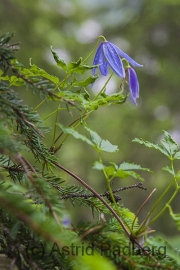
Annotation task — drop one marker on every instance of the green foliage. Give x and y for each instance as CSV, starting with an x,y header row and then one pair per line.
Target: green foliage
x,y
176,217
72,67
96,141
124,170
168,146
33,211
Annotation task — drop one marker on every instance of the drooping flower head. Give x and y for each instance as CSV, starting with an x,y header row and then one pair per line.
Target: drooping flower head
x,y
108,55
133,84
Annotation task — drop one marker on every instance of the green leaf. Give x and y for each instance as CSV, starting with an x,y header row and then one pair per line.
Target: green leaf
x,y
73,65
102,145
177,155
168,169
110,170
4,78
16,81
152,145
58,60
75,134
105,100
13,80
106,146
114,165
97,142
169,144
98,261
124,174
98,166
131,166
86,82
81,69
175,217
116,172
169,147
177,175
34,70
116,98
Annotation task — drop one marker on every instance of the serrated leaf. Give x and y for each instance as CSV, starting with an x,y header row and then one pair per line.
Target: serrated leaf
x,y
125,174
116,98
97,142
169,144
81,69
168,169
34,70
106,146
98,166
175,217
86,82
177,155
60,62
113,171
94,136
104,100
131,166
110,170
73,65
115,165
16,81
75,134
169,147
102,145
152,145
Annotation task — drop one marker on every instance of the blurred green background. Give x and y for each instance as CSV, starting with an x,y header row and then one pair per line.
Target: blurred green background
x,y
149,31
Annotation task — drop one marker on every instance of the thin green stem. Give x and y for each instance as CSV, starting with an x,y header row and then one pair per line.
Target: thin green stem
x,y
108,180
55,126
101,91
89,55
144,225
155,205
139,210
49,115
75,126
85,114
108,184
164,208
37,107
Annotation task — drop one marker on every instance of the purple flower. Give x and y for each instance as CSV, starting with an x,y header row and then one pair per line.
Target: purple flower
x,y
66,221
133,84
107,54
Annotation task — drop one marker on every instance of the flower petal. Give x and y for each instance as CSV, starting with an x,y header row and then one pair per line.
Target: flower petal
x,y
104,68
133,84
127,57
113,59
98,59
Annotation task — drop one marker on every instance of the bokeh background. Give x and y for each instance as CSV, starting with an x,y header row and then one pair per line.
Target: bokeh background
x,y
149,31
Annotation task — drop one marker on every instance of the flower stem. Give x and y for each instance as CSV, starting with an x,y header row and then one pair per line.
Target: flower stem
x,y
89,55
101,91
